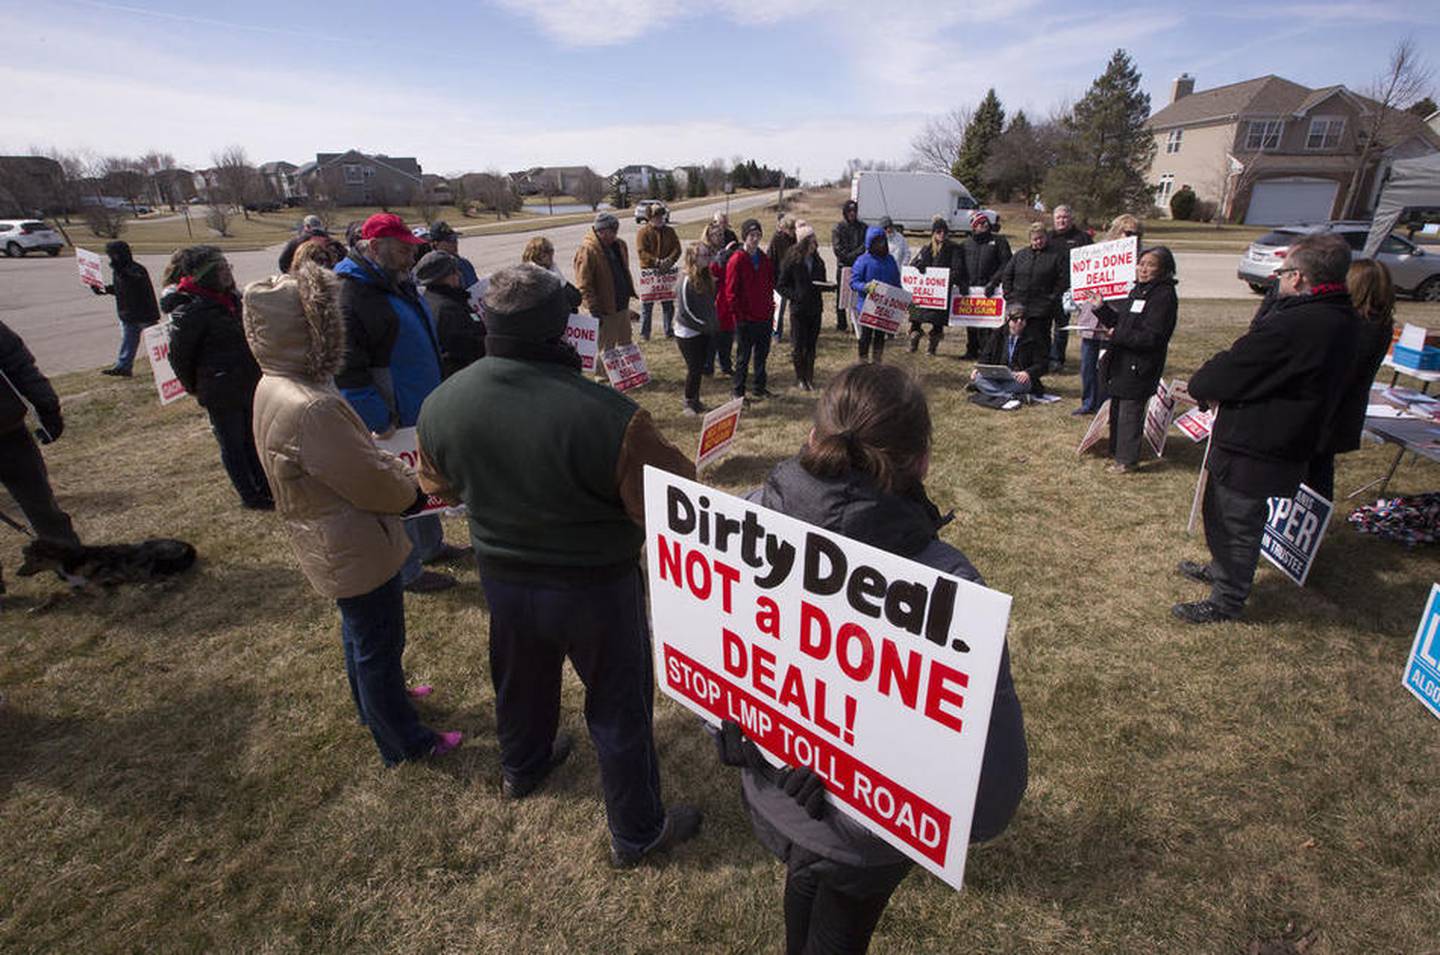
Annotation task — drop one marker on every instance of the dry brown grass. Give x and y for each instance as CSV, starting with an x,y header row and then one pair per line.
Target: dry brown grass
x,y
180,768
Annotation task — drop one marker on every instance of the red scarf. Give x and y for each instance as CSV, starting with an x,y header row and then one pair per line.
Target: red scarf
x,y
1325,288
228,300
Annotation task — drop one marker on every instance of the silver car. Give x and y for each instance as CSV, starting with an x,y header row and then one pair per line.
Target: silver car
x,y
18,236
1414,271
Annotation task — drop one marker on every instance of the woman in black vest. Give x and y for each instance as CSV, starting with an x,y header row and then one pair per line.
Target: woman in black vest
x,y
802,276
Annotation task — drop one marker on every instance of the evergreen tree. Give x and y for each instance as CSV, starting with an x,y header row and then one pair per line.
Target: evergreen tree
x,y
985,128
1019,160
1106,149
1422,107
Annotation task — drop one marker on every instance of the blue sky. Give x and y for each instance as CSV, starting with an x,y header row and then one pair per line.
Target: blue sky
x,y
511,83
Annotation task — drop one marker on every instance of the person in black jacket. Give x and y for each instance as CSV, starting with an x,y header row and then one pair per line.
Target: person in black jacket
x,y
1276,394
1036,277
1016,349
1139,340
134,304
940,253
799,273
985,254
310,227
210,356
459,331
847,241
1064,237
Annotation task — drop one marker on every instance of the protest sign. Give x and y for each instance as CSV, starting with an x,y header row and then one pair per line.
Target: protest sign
x,y
658,285
1104,267
156,341
875,671
928,289
1196,424
92,268
1422,670
1099,428
1294,530
1159,412
717,432
625,367
845,295
977,310
405,445
886,308
583,333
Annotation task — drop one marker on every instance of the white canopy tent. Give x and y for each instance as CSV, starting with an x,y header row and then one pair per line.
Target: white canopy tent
x,y
1411,183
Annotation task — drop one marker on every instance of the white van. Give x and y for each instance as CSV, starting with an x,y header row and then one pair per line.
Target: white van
x,y
913,199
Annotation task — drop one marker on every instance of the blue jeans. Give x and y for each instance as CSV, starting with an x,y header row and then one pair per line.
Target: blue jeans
x,y
129,345
372,630
1092,389
426,538
753,338
1059,342
601,628
991,386
667,309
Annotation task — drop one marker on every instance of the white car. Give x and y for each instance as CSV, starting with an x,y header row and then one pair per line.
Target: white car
x,y
18,236
1414,271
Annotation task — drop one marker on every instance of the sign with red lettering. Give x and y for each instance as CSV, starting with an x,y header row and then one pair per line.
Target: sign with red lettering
x,y
658,285
156,342
717,432
1099,428
92,268
625,367
875,671
583,333
1196,424
1104,267
928,289
977,310
1159,412
405,445
886,308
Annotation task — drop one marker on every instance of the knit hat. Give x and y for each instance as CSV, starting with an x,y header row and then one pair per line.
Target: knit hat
x,y
750,225
803,231
526,302
606,220
938,224
976,216
434,266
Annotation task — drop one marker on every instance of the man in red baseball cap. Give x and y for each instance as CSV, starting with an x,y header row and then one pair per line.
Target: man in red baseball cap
x,y
392,362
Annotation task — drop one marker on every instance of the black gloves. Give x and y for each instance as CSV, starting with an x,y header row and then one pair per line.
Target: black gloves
x,y
800,783
736,750
806,788
53,426
417,505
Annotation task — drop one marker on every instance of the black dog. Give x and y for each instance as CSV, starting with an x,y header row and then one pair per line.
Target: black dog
x,y
108,565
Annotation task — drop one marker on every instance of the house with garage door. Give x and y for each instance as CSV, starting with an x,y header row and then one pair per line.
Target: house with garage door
x,y
1271,152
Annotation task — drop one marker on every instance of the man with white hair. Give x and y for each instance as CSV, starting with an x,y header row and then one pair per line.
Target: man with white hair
x,y
1064,237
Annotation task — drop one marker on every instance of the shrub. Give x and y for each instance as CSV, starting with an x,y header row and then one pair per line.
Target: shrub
x,y
1182,204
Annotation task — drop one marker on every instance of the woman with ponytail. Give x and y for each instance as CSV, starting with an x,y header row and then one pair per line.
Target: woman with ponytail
x,y
861,474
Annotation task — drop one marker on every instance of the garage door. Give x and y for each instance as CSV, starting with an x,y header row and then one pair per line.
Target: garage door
x,y
1287,201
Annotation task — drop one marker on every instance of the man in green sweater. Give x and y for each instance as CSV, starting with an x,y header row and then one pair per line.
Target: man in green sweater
x,y
550,468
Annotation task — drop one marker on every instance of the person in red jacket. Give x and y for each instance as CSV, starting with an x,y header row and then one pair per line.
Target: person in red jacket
x,y
750,290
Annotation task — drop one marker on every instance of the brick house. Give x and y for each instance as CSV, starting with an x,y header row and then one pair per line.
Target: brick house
x,y
354,178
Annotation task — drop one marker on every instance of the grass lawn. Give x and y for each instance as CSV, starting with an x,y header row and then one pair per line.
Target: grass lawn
x,y
181,770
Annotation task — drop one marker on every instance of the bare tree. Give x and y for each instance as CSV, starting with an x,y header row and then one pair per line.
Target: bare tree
x,y
936,147
218,217
1406,78
550,188
589,188
425,205
107,222
715,173
236,181
122,176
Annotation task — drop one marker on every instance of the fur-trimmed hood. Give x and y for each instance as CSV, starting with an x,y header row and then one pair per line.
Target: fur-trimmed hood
x,y
294,326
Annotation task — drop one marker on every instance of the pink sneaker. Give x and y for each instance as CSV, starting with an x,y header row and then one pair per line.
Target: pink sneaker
x,y
421,691
447,742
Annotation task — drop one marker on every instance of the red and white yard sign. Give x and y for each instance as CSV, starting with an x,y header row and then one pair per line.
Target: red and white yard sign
x,y
1159,412
583,332
658,285
405,445
1099,428
625,367
156,341
977,310
1104,267
928,289
717,432
92,268
876,671
1196,424
886,308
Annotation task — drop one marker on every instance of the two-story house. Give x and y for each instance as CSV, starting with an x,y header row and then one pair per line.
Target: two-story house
x,y
280,180
1268,151
355,179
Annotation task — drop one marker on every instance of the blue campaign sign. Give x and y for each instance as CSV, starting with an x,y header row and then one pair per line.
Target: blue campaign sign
x,y
1294,530
1422,672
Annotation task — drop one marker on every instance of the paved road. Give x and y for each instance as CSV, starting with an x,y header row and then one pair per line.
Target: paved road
x,y
71,329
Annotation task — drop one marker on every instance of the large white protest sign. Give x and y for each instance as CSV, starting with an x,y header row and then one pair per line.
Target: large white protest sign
x,y
1104,267
625,367
928,289
405,445
1294,530
1422,670
717,432
156,342
875,671
1099,428
583,333
886,308
1159,412
977,310
92,268
658,285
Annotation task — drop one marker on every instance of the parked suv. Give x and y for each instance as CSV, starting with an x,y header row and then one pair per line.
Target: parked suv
x,y
1414,271
644,207
18,236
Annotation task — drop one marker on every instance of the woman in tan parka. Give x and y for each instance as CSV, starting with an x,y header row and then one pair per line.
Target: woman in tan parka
x,y
339,495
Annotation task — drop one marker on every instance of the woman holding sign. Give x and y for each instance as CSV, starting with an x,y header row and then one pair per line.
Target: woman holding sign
x,y
1139,336
861,474
876,265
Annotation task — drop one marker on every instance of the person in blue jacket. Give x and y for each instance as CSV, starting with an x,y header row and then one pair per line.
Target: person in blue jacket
x,y
392,362
874,265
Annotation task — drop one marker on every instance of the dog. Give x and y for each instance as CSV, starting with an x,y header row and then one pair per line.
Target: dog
x,y
109,565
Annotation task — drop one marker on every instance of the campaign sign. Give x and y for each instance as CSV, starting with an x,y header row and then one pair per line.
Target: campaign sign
x,y
583,333
1196,424
928,289
1159,412
405,445
875,671
977,310
1294,530
717,432
1422,670
658,285
625,367
156,341
1104,267
1099,428
886,308
92,268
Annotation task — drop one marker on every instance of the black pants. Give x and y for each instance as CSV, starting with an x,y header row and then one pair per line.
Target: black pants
x,y
22,471
721,345
752,339
974,339
1059,343
1320,475
1127,427
871,340
804,335
1234,524
237,452
832,909
694,351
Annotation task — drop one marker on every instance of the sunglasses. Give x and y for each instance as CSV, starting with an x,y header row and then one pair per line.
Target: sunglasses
x,y
1285,271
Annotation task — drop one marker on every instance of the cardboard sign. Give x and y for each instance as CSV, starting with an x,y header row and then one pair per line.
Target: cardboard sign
x,y
583,333
405,445
1294,530
658,285
845,294
156,341
1099,428
886,308
977,310
1104,267
928,289
1196,424
1422,670
92,268
625,367
876,671
1159,412
717,432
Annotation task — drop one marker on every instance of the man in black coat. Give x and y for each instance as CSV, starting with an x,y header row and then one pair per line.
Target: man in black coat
x,y
1065,236
1036,277
985,253
459,331
1275,388
134,303
847,241
1012,346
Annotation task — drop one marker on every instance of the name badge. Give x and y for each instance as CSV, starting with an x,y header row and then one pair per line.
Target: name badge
x,y
1138,305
